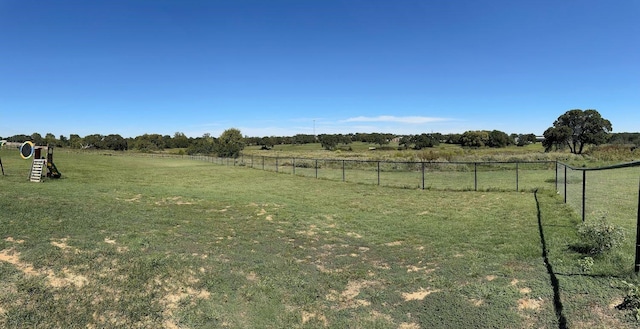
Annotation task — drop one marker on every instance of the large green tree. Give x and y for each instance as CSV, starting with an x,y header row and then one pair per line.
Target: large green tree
x,y
230,143
577,128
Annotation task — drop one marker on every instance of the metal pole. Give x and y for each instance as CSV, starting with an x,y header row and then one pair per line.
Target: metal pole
x,y
565,183
584,193
378,172
556,175
423,175
316,168
475,176
293,161
517,177
637,267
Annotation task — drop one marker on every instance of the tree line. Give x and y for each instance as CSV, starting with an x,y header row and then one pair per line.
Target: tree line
x,y
574,129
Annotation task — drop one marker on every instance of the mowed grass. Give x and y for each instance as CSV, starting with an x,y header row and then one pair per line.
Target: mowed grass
x,y
138,243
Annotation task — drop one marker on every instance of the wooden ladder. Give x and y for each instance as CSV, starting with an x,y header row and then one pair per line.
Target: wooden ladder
x,y
36,170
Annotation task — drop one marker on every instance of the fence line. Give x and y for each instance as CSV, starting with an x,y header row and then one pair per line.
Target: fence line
x,y
455,175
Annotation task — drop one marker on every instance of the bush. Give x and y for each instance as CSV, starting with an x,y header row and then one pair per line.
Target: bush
x,y
599,236
631,300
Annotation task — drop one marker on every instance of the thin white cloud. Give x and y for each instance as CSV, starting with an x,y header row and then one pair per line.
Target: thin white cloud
x,y
391,118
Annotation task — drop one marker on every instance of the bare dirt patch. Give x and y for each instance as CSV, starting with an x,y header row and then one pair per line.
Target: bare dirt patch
x,y
64,279
407,325
12,240
524,290
490,277
354,235
309,316
418,295
393,244
529,304
348,297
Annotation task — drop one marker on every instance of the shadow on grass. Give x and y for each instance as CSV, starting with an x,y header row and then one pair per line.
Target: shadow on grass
x,y
557,302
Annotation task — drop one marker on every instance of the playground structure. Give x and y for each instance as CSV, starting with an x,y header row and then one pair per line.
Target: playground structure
x,y
41,166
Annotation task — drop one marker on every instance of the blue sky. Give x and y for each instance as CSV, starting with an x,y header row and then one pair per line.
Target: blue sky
x,y
286,67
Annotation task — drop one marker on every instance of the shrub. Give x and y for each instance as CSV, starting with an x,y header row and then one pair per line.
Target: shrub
x,y
631,300
586,264
599,236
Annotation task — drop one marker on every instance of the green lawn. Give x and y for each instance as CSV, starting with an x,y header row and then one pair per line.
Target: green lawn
x,y
132,242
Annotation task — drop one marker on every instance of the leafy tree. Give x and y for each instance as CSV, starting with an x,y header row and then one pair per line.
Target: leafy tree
x,y
474,138
328,142
93,141
115,142
304,139
202,145
424,140
405,142
267,142
577,128
75,141
230,143
18,138
37,139
180,140
50,139
62,141
498,138
453,138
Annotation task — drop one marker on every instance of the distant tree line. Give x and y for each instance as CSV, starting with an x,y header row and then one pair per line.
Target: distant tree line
x,y
208,144
573,130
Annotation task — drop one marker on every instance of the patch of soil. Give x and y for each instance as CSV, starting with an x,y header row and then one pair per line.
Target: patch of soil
x,y
418,295
393,244
529,304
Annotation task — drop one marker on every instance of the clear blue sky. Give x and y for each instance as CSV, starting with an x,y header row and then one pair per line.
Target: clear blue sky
x,y
286,67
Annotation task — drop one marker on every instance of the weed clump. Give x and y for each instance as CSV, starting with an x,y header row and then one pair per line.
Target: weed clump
x,y
599,236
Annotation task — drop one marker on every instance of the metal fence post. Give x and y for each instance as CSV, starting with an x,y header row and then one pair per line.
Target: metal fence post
x,y
517,177
556,175
565,183
423,175
584,193
378,172
475,176
637,267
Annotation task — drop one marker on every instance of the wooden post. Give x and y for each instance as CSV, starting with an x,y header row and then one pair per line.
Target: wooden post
x,y
293,162
316,168
378,172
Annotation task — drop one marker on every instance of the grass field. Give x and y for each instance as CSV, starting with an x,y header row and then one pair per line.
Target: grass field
x,y
130,242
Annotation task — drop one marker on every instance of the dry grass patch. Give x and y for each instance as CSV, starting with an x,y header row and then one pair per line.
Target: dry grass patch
x,y
418,295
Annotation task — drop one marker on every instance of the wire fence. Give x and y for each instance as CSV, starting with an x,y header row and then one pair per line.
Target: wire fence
x,y
604,191
456,176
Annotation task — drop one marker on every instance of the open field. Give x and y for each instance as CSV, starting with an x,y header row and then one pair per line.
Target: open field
x,y
134,242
